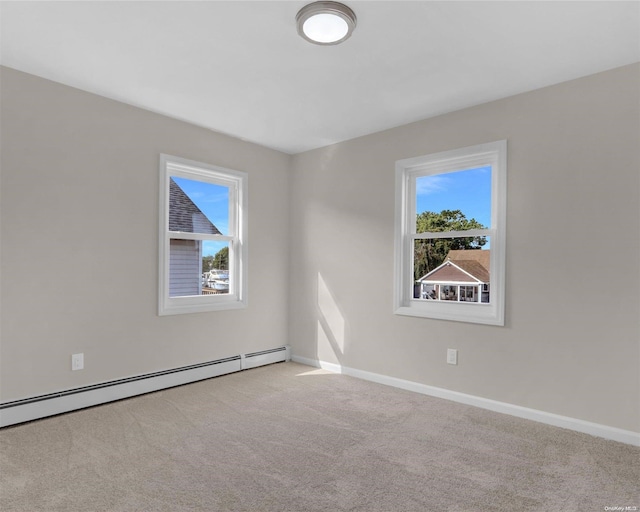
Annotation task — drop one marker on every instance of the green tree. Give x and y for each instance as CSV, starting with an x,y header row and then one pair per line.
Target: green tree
x,y
430,253
221,259
207,263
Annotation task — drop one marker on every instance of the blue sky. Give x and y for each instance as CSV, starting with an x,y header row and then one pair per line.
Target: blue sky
x,y
468,191
213,201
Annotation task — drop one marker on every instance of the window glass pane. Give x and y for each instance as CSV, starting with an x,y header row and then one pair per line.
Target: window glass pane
x,y
215,268
198,207
193,273
452,269
454,201
184,268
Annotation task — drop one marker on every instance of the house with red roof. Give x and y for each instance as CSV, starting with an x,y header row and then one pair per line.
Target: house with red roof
x,y
463,277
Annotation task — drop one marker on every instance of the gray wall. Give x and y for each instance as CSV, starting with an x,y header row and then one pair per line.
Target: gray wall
x,y
571,340
79,259
79,202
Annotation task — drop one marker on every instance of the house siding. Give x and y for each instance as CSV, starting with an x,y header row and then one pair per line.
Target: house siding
x,y
185,268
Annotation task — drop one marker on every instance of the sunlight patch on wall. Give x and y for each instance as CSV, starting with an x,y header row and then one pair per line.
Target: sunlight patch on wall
x,y
331,324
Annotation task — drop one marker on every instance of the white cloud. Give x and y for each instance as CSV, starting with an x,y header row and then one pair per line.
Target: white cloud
x,y
427,185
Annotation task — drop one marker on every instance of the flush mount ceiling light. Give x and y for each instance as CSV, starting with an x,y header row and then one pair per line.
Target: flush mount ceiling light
x,y
325,22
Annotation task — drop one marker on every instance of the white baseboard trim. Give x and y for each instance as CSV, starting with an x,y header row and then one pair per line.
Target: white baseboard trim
x,y
556,420
28,409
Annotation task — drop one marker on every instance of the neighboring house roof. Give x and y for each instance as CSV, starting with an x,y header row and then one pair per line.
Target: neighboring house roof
x,y
461,266
482,257
185,216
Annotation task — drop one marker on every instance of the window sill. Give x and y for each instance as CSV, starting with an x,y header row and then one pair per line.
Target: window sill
x,y
187,305
469,312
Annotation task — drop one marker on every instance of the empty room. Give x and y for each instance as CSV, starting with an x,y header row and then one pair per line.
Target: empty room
x,y
371,256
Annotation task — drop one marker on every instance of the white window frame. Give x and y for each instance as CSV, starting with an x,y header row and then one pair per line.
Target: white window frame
x,y
237,182
407,171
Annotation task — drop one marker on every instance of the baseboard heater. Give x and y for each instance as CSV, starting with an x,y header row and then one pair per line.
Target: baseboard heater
x,y
28,409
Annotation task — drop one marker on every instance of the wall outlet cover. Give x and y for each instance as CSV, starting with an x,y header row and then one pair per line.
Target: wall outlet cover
x,y
77,362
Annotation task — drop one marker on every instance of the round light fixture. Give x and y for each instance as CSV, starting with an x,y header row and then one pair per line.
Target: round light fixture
x,y
325,23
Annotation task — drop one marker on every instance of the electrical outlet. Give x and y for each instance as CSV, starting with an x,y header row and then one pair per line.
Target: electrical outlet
x,y
452,356
77,361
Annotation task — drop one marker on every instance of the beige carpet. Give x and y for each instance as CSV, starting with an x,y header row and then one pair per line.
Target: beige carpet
x,y
287,437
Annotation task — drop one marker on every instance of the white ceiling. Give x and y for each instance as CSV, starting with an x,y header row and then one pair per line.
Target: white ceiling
x,y
240,68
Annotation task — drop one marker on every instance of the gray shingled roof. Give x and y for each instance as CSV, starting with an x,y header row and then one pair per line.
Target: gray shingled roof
x,y
184,215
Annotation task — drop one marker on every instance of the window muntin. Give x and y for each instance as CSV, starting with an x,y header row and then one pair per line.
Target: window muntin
x,y
203,247
450,229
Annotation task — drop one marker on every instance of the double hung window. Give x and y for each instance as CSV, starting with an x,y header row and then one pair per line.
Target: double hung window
x,y
203,229
450,235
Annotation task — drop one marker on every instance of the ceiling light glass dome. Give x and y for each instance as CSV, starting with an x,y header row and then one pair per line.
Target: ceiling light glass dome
x,y
326,23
